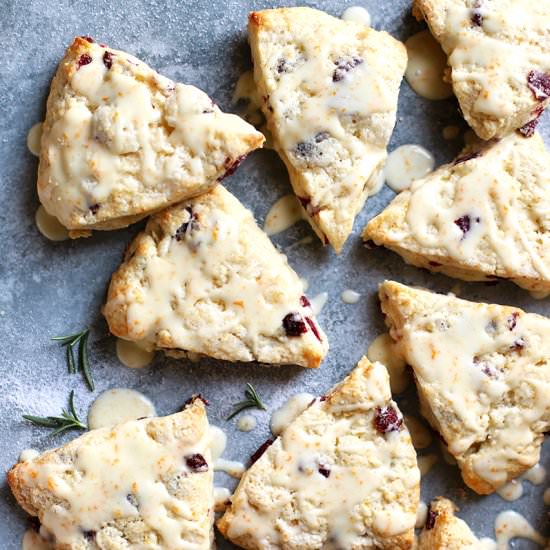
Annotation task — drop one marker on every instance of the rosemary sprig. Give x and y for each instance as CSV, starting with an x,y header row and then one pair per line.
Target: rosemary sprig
x,y
67,421
79,339
252,401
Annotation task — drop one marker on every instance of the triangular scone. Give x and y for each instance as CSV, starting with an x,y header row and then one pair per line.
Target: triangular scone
x,y
329,92
204,278
142,484
483,376
444,531
121,141
343,474
485,216
498,56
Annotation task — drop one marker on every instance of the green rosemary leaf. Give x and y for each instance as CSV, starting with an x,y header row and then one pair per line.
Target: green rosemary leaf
x,y
84,364
70,360
252,401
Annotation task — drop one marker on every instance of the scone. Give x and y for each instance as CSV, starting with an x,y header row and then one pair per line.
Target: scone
x,y
204,278
329,93
142,484
484,216
498,57
343,474
483,377
444,531
121,141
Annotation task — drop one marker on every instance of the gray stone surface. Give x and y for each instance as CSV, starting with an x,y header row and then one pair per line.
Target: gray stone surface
x,y
48,289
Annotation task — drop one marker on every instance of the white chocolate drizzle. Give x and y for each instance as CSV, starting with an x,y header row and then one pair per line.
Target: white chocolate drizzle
x,y
421,515
246,423
132,355
350,296
283,214
384,350
426,463
49,226
407,164
510,525
359,14
318,302
288,411
117,406
28,454
33,139
421,436
222,497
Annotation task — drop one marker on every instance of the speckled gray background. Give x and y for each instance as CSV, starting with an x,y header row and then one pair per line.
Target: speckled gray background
x,y
48,289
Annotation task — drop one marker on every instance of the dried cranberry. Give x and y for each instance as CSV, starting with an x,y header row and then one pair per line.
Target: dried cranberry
x,y
324,470
518,345
466,157
321,136
84,59
194,397
528,129
304,301
108,59
260,451
304,149
314,328
231,165
430,518
539,84
387,420
512,320
282,65
304,201
89,535
434,264
323,398
196,463
464,224
477,17
94,208
344,65
88,39
188,226
294,324
132,499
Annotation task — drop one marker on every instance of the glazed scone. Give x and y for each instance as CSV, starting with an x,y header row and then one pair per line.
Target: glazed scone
x,y
121,141
482,217
142,484
498,57
343,474
444,531
483,377
329,93
204,278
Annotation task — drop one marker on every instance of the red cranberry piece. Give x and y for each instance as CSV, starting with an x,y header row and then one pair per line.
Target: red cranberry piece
x,y
324,470
512,320
88,39
132,499
387,420
89,535
464,224
260,451
314,328
294,324
344,65
304,301
108,59
194,397
230,165
94,208
518,344
84,59
196,463
188,226
539,84
528,129
282,65
466,157
430,518
477,17
434,264
321,136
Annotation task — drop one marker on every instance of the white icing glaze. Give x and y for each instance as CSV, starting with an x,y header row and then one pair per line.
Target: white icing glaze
x,y
218,442
49,226
450,132
283,214
407,164
333,503
230,467
28,454
447,456
318,302
288,411
426,67
118,405
222,497
359,14
112,465
420,435
246,98
33,139
535,475
487,543
426,463
421,515
247,423
132,355
511,491
509,525
33,541
350,296
383,349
